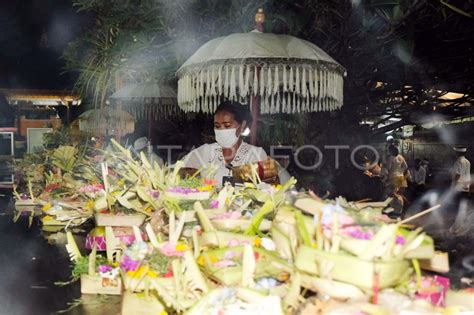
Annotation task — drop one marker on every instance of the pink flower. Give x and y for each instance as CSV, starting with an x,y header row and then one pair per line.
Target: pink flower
x,y
233,215
224,263
400,240
104,268
361,235
154,193
214,204
169,249
91,188
230,254
208,181
183,190
234,242
128,264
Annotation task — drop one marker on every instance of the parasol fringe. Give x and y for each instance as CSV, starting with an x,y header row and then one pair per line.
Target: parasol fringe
x,y
226,83
269,82
232,93
262,83
289,88
208,83
303,84
219,81
255,82
201,84
275,91
297,81
245,90
276,81
290,81
241,80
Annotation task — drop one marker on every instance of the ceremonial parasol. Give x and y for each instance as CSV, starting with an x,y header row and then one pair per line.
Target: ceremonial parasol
x,y
271,72
106,121
147,100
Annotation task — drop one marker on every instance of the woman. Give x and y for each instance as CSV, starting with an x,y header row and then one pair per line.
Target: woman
x,y
229,150
397,169
397,172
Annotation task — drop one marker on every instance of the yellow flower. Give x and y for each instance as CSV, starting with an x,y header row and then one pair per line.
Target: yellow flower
x,y
152,274
257,242
213,258
90,204
140,272
205,188
121,182
46,207
163,313
181,247
149,210
201,261
47,218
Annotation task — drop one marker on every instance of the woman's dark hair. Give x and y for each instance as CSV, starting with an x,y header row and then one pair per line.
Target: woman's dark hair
x,y
393,150
241,112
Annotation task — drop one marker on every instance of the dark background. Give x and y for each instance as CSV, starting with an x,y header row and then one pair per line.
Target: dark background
x,y
33,35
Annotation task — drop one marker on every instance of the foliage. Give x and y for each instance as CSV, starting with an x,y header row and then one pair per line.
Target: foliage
x,y
64,157
81,266
56,138
159,262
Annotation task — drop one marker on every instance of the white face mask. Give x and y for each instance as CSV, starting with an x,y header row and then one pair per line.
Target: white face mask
x,y
226,138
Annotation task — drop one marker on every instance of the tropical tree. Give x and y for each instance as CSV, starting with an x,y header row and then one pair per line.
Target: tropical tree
x,y
397,53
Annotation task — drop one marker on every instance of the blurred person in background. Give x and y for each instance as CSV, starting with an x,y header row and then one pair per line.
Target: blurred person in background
x,y
425,163
373,171
143,145
397,169
417,179
395,173
461,172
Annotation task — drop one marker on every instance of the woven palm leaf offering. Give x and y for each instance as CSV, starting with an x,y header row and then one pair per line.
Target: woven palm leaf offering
x,y
127,196
29,183
348,254
166,269
67,170
49,180
97,274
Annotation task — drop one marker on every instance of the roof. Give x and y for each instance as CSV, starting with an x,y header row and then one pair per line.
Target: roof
x,y
41,97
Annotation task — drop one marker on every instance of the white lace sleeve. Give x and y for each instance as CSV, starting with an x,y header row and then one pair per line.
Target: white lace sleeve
x,y
197,158
261,154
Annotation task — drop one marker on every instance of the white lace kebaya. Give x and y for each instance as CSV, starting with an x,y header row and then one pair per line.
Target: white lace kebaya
x,y
210,156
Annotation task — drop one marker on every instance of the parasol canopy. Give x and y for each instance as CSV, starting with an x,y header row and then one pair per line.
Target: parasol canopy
x,y
288,74
106,121
147,99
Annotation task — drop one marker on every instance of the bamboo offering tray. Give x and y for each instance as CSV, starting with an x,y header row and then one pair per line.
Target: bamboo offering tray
x,y
98,285
107,219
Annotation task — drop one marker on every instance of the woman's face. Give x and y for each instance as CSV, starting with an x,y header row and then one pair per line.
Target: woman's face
x,y
226,120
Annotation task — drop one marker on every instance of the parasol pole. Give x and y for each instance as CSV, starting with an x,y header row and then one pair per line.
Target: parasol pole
x,y
254,99
254,103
